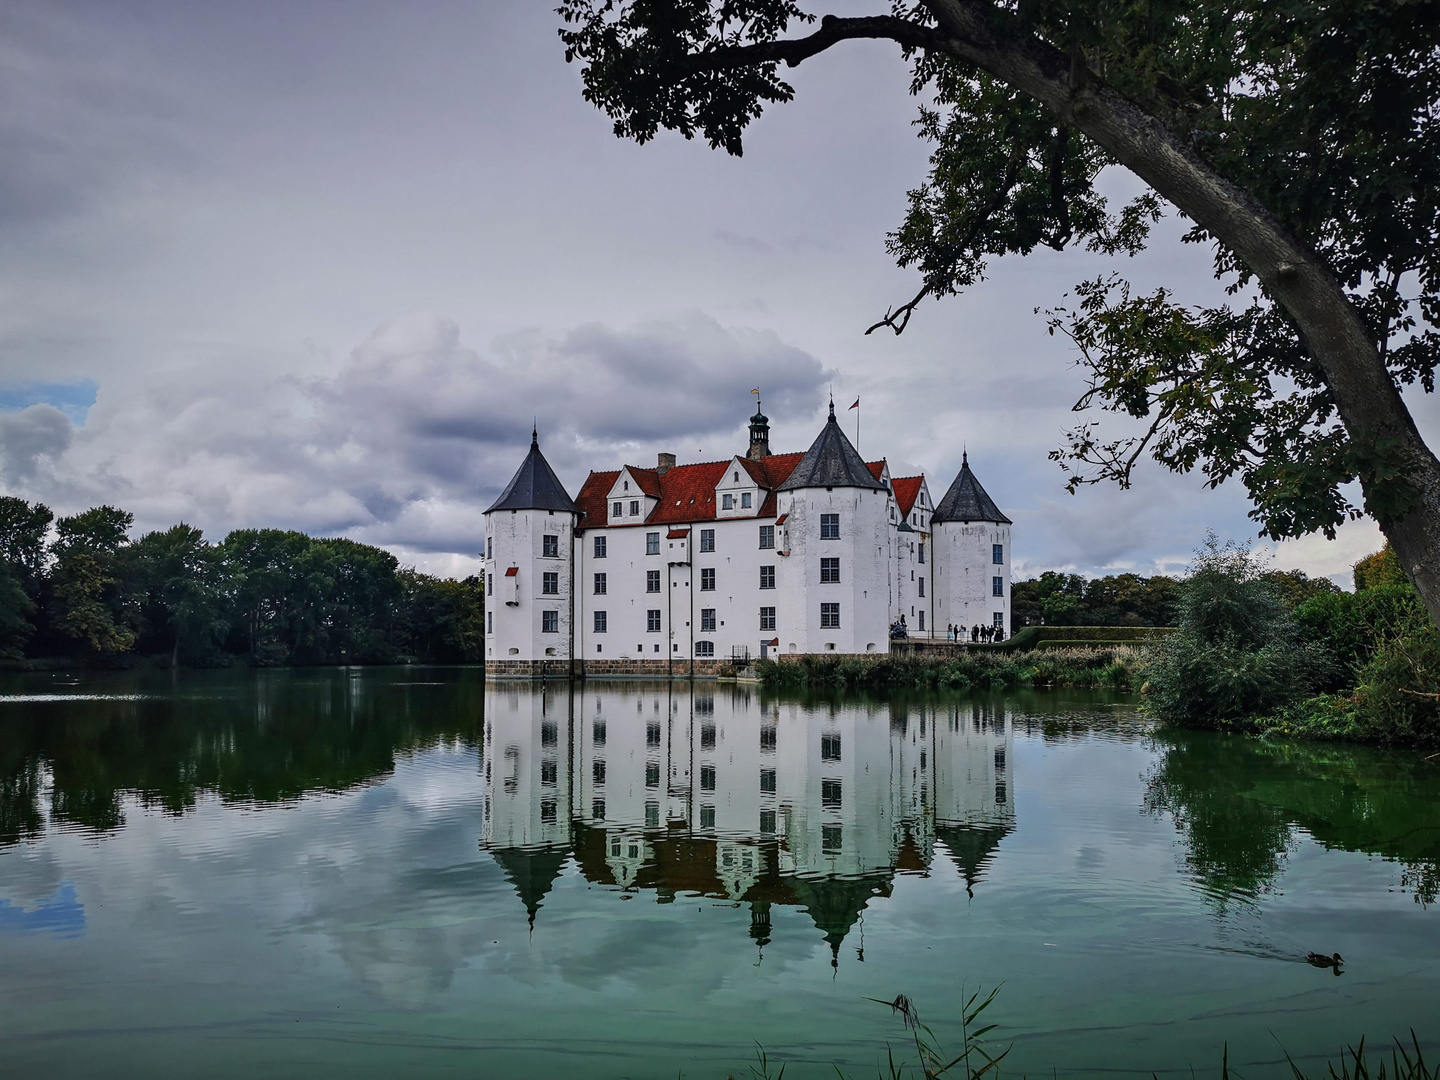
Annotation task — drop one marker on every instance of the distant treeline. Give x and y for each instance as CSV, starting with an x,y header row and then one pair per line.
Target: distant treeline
x,y
1055,599
79,587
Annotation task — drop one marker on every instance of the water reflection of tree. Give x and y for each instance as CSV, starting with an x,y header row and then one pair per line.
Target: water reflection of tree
x,y
269,737
1239,802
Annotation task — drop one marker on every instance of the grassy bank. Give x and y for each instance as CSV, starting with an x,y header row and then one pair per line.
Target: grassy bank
x,y
1114,666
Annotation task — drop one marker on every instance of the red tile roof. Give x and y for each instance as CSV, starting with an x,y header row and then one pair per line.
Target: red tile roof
x,y
907,490
677,534
686,492
512,571
877,468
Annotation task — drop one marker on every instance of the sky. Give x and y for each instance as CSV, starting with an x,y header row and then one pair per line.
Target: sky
x,y
321,266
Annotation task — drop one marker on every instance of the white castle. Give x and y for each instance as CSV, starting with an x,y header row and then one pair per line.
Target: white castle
x,y
681,569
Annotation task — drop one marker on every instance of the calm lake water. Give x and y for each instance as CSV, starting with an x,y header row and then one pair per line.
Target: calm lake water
x,y
385,872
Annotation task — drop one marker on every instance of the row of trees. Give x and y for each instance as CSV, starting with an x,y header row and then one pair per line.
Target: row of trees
x,y
1055,599
79,586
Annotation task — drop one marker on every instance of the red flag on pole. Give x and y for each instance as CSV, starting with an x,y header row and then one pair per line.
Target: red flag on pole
x,y
857,404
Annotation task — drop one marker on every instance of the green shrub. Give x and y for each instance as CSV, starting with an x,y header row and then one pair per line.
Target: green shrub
x,y
1350,626
1237,652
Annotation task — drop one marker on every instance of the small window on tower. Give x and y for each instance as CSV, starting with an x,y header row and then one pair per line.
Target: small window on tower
x,y
997,586
997,554
550,583
829,526
550,546
549,622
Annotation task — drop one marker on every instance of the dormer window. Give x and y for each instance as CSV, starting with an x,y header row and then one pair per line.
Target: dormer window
x,y
727,502
617,509
745,500
634,507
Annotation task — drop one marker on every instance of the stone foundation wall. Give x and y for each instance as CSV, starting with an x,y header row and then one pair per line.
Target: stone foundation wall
x,y
528,669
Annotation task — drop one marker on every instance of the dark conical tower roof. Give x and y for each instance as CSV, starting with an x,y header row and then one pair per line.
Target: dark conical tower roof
x,y
831,462
966,500
532,873
535,486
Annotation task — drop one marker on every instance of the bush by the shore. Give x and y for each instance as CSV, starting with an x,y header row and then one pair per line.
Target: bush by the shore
x,y
1115,667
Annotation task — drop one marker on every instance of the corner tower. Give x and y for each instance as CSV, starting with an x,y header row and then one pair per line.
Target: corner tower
x,y
834,521
972,556
529,573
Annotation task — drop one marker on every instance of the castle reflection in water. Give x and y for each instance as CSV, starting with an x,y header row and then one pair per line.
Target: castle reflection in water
x,y
719,792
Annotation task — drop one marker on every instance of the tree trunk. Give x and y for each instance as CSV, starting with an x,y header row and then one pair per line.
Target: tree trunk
x,y
1366,396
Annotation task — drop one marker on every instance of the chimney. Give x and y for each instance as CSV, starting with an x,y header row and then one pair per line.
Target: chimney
x,y
664,463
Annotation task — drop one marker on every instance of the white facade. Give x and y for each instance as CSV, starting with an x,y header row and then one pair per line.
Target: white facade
x,y
680,566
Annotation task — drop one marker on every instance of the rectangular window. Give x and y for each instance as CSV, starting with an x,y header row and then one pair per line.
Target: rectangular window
x,y
634,508
829,570
922,619
829,616
707,777
1000,759
830,839
707,620
547,811
922,553
549,622
652,543
767,536
549,733
999,792
707,539
707,580
767,738
652,815
550,546
767,821
745,500
922,587
652,774
597,733
490,622
997,586
707,736
652,580
705,648
727,502
599,547
829,526
617,509
550,583
767,780
997,553
999,619
767,577
829,747
489,583
707,817
652,621
830,794
601,622
652,734
597,809
599,584
767,618
597,770
549,772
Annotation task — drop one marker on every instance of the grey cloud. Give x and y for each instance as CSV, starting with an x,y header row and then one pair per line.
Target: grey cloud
x,y
409,439
31,441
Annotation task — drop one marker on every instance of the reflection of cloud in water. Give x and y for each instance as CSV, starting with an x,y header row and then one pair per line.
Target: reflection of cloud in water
x,y
60,913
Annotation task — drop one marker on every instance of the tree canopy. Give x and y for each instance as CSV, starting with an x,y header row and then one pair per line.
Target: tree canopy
x,y
1301,140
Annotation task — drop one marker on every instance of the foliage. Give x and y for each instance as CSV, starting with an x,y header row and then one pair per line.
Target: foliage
x,y
1343,97
1115,667
1381,568
274,596
1350,626
1114,600
1237,652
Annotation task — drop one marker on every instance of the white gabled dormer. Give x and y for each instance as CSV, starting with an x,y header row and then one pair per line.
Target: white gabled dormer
x,y
738,494
628,502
